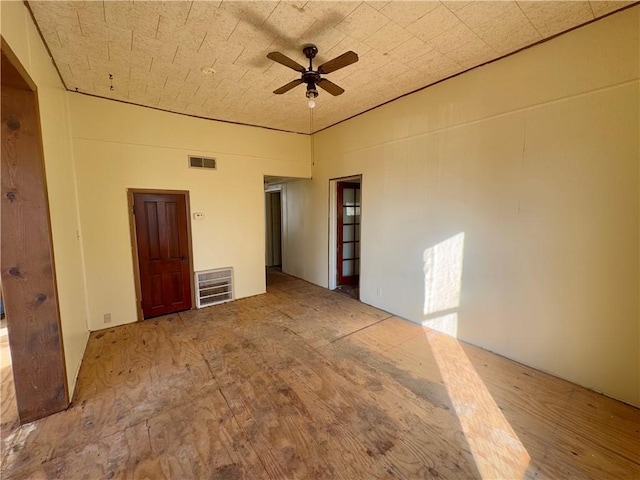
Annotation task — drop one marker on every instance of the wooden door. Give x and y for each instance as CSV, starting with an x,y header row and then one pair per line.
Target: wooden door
x,y
163,252
348,233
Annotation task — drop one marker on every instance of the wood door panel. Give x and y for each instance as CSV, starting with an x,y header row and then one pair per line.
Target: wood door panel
x,y
152,245
163,253
155,291
173,236
176,280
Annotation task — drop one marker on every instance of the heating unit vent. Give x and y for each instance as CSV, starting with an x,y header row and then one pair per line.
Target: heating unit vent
x,y
214,286
202,162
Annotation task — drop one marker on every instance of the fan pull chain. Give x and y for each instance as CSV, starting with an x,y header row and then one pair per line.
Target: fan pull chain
x,y
313,158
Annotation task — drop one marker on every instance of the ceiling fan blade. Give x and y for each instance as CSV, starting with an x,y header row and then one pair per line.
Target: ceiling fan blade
x,y
330,87
287,87
337,63
286,61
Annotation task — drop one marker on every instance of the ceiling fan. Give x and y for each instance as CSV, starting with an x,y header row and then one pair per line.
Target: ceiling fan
x,y
313,77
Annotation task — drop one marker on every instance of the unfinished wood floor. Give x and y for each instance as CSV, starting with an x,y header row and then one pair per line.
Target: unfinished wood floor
x,y
307,383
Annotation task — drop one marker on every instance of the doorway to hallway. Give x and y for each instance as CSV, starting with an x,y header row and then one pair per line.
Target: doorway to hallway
x,y
344,254
273,228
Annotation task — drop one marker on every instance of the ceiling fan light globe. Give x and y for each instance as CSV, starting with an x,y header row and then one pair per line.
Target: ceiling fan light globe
x,y
311,103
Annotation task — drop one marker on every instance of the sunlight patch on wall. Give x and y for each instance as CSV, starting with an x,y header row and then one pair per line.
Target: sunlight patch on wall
x,y
443,282
446,324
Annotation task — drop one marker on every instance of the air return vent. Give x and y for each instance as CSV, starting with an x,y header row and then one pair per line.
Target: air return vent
x,y
202,162
214,286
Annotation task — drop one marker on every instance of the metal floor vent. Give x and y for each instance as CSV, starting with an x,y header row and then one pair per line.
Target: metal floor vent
x,y
202,162
214,286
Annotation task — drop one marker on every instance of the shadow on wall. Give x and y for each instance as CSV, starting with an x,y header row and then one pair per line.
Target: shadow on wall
x,y
496,449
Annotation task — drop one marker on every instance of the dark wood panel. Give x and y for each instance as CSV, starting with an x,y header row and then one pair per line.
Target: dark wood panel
x,y
162,239
28,276
154,291
152,245
11,77
176,288
173,236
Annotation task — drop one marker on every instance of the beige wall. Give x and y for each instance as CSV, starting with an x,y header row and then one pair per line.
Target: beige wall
x,y
21,35
534,159
119,146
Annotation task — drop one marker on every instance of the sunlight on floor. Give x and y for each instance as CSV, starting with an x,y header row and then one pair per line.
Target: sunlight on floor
x,y
496,448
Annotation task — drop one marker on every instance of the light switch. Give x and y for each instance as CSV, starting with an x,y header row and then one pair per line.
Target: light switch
x,y
198,216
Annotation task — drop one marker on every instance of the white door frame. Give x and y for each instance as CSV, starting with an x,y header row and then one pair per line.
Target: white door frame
x,y
333,231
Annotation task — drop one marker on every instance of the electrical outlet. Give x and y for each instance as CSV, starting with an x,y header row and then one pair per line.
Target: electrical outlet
x,y
379,291
107,318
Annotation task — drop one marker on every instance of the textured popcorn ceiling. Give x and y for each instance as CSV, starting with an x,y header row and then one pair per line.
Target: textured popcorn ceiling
x,y
156,51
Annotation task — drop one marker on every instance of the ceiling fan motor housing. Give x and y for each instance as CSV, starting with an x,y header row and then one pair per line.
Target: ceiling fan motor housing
x,y
312,92
310,50
310,77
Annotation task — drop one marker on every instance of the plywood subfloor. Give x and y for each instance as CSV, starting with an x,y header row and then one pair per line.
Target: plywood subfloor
x,y
307,383
8,409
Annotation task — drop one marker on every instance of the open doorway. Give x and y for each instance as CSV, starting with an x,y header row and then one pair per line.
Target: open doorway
x,y
276,227
344,250
273,228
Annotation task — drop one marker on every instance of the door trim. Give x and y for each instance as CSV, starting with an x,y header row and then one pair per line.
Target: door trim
x,y
333,233
40,375
134,243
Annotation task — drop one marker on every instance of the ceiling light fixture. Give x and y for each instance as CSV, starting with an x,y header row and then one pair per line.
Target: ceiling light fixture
x,y
312,93
207,70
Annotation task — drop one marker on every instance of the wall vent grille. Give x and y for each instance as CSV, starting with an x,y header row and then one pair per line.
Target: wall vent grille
x,y
214,286
202,162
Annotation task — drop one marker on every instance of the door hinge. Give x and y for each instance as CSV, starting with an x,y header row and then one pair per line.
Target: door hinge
x,y
133,209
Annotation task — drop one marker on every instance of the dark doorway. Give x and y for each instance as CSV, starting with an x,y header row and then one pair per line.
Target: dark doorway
x,y
163,248
273,229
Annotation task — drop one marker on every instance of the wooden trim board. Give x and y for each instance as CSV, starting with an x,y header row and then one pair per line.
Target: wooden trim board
x,y
28,273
